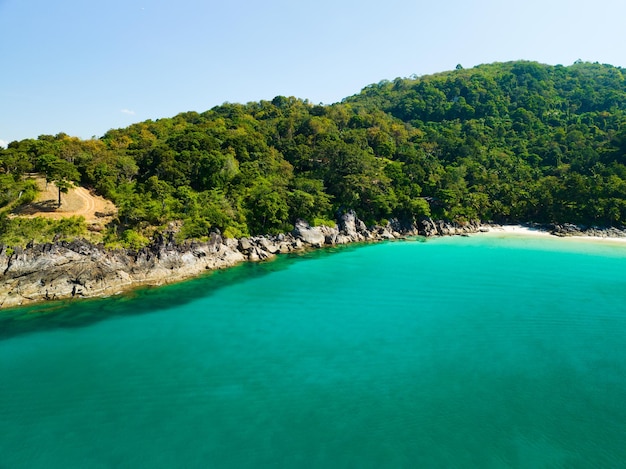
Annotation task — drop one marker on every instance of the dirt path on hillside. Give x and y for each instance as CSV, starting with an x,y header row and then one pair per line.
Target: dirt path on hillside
x,y
78,201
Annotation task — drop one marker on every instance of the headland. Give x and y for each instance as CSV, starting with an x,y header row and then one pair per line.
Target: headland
x,y
79,269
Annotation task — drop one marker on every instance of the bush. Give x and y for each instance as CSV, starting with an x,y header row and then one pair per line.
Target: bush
x,y
318,221
20,231
195,228
235,231
133,240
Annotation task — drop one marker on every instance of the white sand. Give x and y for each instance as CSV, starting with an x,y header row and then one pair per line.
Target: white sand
x,y
518,230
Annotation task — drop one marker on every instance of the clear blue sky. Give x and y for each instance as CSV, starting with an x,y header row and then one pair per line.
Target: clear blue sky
x,y
83,67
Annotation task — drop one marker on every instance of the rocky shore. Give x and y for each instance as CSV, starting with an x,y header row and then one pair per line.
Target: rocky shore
x,y
568,229
79,269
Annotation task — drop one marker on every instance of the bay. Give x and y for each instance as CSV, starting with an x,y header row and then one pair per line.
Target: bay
x,y
454,352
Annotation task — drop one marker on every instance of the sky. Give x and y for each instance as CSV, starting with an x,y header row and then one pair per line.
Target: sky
x,y
83,67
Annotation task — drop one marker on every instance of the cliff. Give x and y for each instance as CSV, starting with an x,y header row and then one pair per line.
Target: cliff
x,y
79,269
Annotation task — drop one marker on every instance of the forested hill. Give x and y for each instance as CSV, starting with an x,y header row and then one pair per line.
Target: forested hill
x,y
507,142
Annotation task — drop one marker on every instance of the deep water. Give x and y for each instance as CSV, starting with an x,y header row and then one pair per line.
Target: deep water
x,y
455,352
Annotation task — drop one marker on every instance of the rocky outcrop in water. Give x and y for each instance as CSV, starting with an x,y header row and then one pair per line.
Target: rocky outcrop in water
x,y
568,229
80,269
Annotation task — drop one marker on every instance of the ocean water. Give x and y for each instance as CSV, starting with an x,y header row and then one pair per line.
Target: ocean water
x,y
455,352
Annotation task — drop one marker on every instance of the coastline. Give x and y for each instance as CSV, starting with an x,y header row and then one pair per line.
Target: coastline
x,y
79,269
532,231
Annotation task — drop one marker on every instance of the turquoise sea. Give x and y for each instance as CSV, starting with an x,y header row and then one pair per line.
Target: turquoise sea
x,y
482,352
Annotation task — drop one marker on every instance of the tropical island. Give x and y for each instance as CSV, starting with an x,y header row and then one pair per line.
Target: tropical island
x,y
516,142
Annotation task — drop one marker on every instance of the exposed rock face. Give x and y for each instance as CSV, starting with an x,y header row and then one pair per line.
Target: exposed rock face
x,y
80,269
429,227
350,228
312,236
569,229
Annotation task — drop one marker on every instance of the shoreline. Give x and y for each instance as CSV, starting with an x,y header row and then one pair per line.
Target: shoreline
x,y
79,269
530,231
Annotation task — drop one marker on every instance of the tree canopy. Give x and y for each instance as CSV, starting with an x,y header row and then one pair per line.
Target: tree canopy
x,y
507,142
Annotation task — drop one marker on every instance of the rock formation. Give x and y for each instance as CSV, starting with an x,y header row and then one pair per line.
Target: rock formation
x,y
568,229
80,269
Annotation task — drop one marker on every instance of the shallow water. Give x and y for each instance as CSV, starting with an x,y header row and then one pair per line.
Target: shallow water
x,y
455,352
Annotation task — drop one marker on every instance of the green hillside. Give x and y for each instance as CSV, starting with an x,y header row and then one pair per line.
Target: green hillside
x,y
506,142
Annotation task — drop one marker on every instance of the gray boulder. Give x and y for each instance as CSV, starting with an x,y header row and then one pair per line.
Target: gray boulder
x,y
310,235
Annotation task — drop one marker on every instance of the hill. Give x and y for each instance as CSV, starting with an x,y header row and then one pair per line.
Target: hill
x,y
508,142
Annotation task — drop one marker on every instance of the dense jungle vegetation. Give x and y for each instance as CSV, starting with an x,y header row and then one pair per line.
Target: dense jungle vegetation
x,y
506,142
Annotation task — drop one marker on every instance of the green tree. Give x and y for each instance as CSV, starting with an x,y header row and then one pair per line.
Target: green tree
x,y
59,171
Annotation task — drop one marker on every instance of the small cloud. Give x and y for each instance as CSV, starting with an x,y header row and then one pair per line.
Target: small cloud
x,y
3,143
128,111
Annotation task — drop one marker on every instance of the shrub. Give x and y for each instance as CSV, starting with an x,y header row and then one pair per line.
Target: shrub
x,y
133,240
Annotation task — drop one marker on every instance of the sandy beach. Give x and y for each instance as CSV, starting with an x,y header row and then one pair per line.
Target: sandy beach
x,y
519,230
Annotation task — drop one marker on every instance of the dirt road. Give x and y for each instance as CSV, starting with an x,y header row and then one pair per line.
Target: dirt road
x,y
78,201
